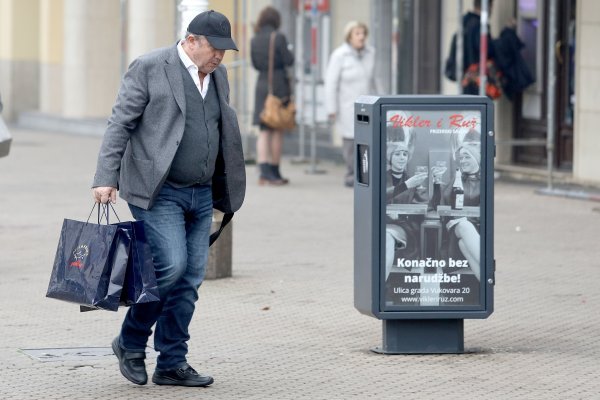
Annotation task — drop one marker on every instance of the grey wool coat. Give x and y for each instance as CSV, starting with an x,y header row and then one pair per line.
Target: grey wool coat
x,y
146,127
259,52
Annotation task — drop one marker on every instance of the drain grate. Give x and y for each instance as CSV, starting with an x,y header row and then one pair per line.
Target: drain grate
x,y
73,353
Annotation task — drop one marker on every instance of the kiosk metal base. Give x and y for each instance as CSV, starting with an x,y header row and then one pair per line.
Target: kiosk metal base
x,y
422,336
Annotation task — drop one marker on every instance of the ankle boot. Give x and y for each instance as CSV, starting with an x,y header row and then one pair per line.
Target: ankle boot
x,y
267,176
277,174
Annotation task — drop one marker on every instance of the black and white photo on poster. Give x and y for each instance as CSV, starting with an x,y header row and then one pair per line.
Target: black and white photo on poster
x,y
432,221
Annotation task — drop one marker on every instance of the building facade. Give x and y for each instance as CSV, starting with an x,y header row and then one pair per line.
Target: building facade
x,y
61,62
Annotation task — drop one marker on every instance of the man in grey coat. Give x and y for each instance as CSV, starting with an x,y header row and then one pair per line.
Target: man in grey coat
x,y
173,150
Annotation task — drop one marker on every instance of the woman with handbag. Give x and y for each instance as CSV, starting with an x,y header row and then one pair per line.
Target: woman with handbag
x,y
270,56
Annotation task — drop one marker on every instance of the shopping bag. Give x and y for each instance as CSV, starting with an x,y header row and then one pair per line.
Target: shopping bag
x,y
90,264
140,279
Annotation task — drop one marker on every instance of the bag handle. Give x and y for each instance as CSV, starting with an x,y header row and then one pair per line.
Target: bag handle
x,y
103,212
214,236
271,60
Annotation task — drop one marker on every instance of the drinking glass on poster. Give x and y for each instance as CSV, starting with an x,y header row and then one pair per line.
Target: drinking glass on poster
x,y
421,169
440,169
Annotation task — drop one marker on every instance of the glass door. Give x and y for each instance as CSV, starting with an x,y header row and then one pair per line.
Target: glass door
x,y
530,108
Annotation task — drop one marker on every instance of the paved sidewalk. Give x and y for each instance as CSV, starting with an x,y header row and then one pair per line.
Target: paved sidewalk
x,y
284,327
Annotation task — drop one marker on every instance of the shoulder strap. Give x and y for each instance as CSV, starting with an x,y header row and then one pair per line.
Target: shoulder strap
x,y
214,236
271,60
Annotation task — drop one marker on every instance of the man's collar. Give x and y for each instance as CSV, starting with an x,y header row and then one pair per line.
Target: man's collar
x,y
185,59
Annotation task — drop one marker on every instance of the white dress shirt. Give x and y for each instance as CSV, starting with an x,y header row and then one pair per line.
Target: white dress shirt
x,y
193,70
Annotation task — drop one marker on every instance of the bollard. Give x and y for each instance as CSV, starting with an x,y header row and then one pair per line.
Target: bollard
x,y
219,257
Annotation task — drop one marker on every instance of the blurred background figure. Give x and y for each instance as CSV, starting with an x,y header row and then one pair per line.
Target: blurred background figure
x,y
507,72
350,73
5,138
270,141
471,27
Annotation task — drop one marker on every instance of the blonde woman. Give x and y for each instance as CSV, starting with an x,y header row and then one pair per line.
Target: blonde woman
x,y
350,73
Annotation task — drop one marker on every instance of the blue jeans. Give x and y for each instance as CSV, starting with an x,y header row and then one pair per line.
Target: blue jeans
x,y
177,227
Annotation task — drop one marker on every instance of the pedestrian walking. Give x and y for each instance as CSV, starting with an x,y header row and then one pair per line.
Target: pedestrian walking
x,y
270,141
173,150
350,73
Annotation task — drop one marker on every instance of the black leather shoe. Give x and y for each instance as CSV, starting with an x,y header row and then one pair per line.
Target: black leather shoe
x,y
184,376
131,364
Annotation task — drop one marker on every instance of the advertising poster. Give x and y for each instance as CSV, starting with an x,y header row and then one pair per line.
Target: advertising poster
x,y
432,202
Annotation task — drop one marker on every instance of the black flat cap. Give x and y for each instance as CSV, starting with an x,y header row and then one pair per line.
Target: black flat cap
x,y
215,27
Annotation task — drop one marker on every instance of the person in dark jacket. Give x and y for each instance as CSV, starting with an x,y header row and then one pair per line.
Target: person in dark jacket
x,y
270,141
508,72
471,30
516,74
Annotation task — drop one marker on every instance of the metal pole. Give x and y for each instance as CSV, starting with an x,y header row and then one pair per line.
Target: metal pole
x,y
177,21
416,38
246,119
300,88
395,42
236,57
483,46
124,47
314,71
551,92
459,47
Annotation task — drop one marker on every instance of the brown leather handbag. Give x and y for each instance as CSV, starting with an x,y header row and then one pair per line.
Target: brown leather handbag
x,y
276,113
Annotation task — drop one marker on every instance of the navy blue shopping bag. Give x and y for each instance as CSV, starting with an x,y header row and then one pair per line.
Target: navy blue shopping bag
x,y
140,279
103,266
90,264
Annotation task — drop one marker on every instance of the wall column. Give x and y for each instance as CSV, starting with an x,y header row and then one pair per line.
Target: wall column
x,y
150,26
91,57
51,56
19,52
587,85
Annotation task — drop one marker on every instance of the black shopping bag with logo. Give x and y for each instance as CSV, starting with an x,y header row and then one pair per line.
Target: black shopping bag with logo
x,y
90,263
140,278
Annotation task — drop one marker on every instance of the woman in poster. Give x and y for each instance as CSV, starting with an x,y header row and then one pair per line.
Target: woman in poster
x,y
401,233
464,239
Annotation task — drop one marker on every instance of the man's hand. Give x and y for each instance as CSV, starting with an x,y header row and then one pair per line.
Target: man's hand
x,y
104,194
